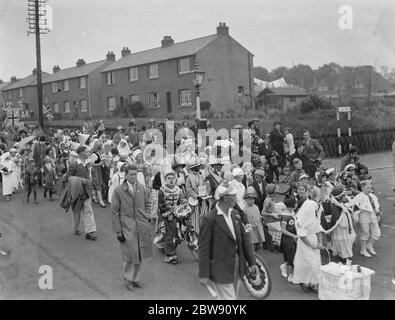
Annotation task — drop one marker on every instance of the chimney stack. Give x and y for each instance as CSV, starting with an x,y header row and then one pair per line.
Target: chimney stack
x,y
55,69
167,41
223,29
80,62
34,72
110,56
14,79
125,52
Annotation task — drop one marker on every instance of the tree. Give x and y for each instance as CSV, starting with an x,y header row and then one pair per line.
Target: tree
x,y
279,72
301,75
1,81
262,74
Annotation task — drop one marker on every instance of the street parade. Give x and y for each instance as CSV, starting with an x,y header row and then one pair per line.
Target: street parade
x,y
158,200
197,158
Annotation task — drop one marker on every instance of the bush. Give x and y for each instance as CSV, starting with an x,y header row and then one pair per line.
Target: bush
x,y
136,109
314,103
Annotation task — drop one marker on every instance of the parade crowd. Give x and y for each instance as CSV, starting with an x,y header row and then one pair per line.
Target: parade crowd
x,y
283,199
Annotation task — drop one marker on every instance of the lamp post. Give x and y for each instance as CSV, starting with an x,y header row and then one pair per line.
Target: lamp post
x,y
197,77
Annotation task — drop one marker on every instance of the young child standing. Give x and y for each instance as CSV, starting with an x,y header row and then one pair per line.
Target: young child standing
x,y
289,237
271,218
49,177
367,214
251,210
32,174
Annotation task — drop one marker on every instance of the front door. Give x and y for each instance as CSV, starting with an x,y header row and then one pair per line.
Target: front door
x,y
168,102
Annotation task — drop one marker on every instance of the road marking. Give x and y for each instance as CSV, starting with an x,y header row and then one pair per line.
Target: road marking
x,y
54,257
387,226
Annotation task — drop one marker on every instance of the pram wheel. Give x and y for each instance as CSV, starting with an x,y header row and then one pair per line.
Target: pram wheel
x,y
259,285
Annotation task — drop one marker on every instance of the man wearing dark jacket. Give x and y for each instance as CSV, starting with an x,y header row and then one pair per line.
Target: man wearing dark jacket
x,y
81,169
313,151
225,249
259,184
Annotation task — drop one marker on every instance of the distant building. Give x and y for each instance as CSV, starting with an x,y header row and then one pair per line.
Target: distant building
x,y
283,98
359,83
159,77
23,94
75,93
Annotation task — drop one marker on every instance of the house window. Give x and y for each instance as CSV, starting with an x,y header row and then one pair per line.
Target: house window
x,y
153,71
185,97
84,105
56,107
240,91
110,78
184,65
54,87
153,100
121,101
66,85
133,74
292,99
134,98
82,83
9,94
20,92
111,102
66,107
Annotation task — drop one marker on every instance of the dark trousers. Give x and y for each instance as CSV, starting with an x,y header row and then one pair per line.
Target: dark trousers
x,y
30,188
105,179
170,236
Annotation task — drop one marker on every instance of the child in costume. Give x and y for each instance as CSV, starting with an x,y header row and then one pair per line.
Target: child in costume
x,y
169,196
49,177
289,237
32,174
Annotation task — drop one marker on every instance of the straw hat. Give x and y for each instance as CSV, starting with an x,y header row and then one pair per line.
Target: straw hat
x,y
250,193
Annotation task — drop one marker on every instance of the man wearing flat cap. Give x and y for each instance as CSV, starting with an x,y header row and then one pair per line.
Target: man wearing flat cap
x,y
224,247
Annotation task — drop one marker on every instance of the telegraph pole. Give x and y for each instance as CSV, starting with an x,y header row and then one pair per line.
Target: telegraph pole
x,y
37,22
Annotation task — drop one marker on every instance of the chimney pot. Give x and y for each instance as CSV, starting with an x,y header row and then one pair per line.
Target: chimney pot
x,y
80,62
223,29
125,51
167,41
110,56
13,79
55,68
34,72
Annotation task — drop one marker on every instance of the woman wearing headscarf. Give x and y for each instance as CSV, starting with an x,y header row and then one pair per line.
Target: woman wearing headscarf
x,y
307,257
123,149
237,184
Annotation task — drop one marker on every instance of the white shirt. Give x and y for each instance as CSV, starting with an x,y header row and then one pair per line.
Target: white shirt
x,y
83,163
131,187
228,220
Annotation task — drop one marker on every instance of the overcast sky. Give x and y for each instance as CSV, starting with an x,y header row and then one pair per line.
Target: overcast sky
x,y
277,32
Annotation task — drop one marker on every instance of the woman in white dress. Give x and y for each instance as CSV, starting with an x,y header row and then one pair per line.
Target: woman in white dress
x,y
7,167
289,142
307,257
116,180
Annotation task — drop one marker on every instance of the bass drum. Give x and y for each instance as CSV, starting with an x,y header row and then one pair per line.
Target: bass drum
x,y
258,286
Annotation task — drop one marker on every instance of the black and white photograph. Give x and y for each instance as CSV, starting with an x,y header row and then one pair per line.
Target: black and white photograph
x,y
197,151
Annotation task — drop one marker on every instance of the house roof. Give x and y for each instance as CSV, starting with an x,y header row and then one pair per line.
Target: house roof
x,y
287,91
4,84
74,72
180,49
30,80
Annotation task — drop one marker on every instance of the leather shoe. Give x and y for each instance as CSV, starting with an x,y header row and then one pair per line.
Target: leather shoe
x,y
371,251
77,233
91,236
137,284
129,285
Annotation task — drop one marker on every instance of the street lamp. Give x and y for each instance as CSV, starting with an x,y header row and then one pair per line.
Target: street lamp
x,y
197,77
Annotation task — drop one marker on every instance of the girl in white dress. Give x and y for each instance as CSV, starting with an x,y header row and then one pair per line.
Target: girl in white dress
x,y
7,167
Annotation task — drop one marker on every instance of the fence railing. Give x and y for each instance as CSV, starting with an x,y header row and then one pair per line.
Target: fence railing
x,y
367,141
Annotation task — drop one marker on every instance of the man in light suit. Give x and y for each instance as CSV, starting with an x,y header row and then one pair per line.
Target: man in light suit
x,y
224,247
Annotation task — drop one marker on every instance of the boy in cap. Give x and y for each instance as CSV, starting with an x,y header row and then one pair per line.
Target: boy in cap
x,y
169,196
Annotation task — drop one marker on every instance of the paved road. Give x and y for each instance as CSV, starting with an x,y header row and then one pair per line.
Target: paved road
x,y
40,235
